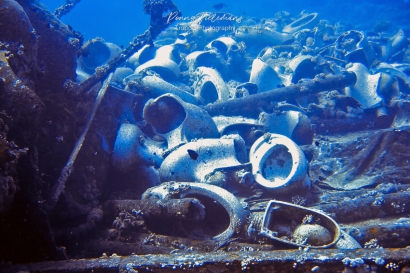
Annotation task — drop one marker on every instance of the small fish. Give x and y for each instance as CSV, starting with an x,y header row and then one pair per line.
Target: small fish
x,y
192,154
219,6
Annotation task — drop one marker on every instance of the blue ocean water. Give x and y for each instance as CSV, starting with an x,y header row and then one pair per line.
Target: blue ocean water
x,y
119,21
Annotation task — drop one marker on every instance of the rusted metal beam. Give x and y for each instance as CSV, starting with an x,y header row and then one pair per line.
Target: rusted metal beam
x,y
323,260
252,104
185,208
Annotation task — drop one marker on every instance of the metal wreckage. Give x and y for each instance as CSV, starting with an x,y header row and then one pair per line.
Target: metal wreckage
x,y
279,147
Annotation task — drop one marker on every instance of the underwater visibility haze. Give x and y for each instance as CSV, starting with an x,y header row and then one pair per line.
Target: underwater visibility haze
x,y
204,136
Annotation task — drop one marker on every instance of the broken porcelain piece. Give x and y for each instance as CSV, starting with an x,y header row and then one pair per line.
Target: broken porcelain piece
x,y
393,71
177,121
355,48
346,241
165,63
315,229
290,121
279,165
366,89
307,21
264,76
227,200
132,147
205,160
209,86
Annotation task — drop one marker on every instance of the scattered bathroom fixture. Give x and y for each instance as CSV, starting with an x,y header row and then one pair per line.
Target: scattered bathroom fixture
x,y
290,121
208,161
227,200
245,89
143,55
392,70
264,76
394,45
96,52
223,44
307,21
249,129
165,63
279,165
202,25
354,48
158,87
178,121
313,229
259,37
366,89
183,39
132,147
120,74
209,86
303,66
209,58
